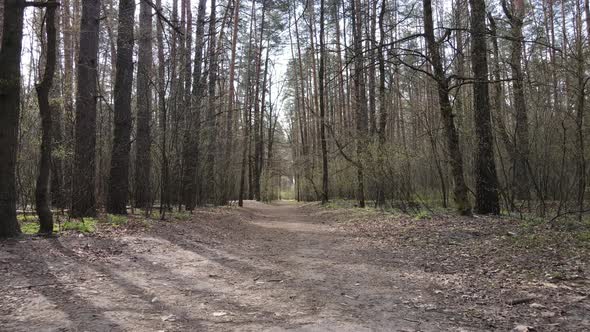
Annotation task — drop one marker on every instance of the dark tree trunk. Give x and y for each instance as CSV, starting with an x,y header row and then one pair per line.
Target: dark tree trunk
x,y
57,119
486,180
143,158
360,99
10,85
1,21
164,197
322,108
191,179
42,201
119,177
257,123
211,129
380,201
68,98
188,101
83,200
228,186
260,144
247,124
453,147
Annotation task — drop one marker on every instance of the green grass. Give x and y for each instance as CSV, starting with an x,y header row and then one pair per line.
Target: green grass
x,y
422,215
584,238
26,217
116,220
31,227
88,226
182,215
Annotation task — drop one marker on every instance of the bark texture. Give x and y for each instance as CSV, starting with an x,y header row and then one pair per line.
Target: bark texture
x,y
10,86
143,159
119,176
486,180
42,196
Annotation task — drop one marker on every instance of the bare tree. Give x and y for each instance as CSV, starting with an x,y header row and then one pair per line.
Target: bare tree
x,y
452,137
521,183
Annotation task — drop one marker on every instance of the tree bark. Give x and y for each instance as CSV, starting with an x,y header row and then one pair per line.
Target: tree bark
x,y
143,160
486,181
322,96
119,176
10,86
83,198
360,99
211,129
42,201
228,177
246,116
163,116
191,176
257,123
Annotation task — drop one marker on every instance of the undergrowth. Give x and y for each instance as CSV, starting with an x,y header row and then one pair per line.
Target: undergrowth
x,y
88,225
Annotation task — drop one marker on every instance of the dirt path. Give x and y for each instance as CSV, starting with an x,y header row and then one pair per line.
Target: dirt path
x,y
263,267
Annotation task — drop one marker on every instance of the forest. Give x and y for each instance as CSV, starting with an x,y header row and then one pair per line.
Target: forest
x,y
434,132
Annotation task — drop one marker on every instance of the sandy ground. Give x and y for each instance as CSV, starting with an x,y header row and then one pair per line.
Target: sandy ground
x,y
280,267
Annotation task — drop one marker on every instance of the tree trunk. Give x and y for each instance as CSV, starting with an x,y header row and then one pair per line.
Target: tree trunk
x,y
1,22
228,177
119,177
191,178
143,158
246,116
257,122
42,202
453,148
361,99
380,200
10,86
68,99
162,112
521,184
486,181
83,198
209,170
322,108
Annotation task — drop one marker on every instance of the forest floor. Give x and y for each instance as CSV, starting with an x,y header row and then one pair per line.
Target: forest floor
x,y
296,267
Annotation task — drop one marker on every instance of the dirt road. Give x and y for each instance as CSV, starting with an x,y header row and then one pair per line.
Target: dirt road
x,y
260,268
